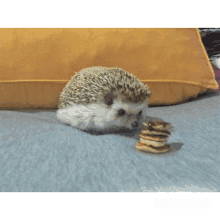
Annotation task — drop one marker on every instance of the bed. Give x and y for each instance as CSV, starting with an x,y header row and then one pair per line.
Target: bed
x,y
39,154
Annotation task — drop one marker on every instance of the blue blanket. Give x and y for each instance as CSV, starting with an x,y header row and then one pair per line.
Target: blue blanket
x,y
39,154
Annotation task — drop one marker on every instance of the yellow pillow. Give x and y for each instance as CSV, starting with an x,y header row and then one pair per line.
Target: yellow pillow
x,y
35,64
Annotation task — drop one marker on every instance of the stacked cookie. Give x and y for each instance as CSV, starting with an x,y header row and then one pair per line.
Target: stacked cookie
x,y
153,137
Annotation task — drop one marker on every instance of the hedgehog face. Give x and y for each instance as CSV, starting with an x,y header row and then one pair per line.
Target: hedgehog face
x,y
130,120
126,114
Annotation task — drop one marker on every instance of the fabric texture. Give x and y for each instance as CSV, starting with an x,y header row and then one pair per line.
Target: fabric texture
x,y
39,154
37,63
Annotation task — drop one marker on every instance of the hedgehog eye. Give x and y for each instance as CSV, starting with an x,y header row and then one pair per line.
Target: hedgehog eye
x,y
121,112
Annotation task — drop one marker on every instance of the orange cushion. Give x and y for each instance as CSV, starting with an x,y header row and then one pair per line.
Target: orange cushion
x,y
35,64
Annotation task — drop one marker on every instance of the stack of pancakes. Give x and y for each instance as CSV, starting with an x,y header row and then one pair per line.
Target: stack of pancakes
x,y
153,137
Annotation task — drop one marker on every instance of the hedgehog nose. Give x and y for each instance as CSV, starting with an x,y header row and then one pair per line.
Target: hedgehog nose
x,y
135,124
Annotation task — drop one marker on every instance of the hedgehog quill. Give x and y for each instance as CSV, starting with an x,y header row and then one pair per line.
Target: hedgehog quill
x,y
101,98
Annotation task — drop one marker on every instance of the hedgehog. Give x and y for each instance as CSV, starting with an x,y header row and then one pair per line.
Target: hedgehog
x,y
102,98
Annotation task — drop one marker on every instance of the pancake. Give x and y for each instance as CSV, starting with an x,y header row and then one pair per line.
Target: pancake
x,y
155,132
151,149
163,126
151,140
153,137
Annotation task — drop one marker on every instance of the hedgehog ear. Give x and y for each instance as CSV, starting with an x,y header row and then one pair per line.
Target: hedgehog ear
x,y
109,98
